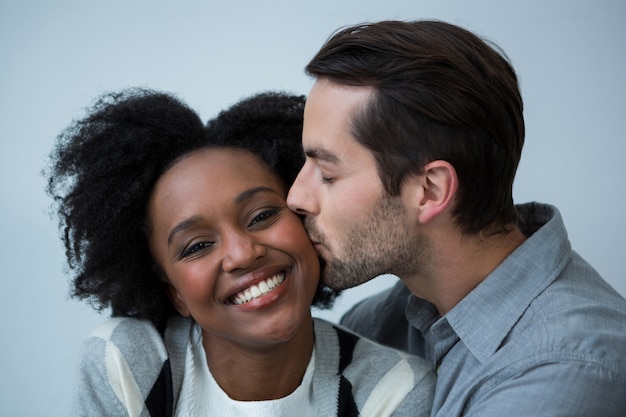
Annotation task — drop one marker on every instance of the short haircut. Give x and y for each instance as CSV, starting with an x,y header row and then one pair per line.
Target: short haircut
x,y
440,93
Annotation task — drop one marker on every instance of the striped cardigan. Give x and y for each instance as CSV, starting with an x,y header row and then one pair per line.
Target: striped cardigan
x,y
128,369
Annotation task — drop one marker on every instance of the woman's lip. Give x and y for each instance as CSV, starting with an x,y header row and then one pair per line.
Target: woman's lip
x,y
258,290
265,299
254,278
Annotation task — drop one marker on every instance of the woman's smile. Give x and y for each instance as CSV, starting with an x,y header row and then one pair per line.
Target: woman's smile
x,y
260,289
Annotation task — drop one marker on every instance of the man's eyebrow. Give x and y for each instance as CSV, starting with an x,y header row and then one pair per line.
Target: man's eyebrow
x,y
322,155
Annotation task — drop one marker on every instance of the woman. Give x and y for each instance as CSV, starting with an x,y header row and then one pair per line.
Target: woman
x,y
183,232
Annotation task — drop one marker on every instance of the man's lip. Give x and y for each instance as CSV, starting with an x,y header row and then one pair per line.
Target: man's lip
x,y
314,240
320,249
317,246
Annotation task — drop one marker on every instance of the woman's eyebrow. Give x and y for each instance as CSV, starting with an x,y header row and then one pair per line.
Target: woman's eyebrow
x,y
248,194
185,224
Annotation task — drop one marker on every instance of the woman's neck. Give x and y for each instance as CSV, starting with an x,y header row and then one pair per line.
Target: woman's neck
x,y
256,373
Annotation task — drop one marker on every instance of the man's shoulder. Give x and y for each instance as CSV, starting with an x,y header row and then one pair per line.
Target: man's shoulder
x,y
381,317
381,378
578,312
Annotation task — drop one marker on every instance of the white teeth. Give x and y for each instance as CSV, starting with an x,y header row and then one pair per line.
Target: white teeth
x,y
255,291
259,289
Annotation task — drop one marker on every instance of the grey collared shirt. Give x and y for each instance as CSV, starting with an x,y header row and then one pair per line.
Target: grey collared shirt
x,y
542,335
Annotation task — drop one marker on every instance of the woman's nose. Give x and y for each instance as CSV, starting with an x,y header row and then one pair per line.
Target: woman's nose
x,y
241,251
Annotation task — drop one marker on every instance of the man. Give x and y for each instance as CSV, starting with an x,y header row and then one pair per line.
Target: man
x,y
412,134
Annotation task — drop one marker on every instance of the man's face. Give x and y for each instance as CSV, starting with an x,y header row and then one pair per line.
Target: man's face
x,y
357,229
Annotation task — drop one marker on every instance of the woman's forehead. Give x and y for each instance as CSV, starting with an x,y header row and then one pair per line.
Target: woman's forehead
x,y
219,171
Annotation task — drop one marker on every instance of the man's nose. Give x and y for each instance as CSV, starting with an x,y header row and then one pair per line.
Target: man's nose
x,y
301,197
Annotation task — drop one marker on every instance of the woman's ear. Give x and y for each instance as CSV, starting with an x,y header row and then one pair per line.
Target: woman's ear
x,y
432,192
171,292
176,300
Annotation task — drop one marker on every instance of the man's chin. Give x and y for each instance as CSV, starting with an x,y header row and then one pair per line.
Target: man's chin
x,y
339,276
332,285
332,279
326,275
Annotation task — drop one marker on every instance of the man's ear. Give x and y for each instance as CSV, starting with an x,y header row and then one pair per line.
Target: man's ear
x,y
432,192
175,298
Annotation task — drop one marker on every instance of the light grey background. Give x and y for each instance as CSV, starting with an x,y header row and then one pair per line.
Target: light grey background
x,y
57,56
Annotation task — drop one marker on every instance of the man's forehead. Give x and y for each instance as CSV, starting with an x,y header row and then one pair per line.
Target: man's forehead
x,y
330,87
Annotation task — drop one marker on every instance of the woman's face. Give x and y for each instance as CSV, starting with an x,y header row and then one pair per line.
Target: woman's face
x,y
236,258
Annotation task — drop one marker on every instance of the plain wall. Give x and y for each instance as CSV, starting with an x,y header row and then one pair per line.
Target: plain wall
x,y
57,56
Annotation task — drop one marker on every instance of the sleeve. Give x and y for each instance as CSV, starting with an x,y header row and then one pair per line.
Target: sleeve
x,y
93,394
387,382
406,389
583,389
419,401
120,364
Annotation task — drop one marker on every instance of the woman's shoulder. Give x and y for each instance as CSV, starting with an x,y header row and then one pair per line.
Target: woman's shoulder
x,y
130,338
122,328
121,363
363,351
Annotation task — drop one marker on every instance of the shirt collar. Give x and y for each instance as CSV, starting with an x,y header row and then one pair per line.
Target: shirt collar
x,y
484,318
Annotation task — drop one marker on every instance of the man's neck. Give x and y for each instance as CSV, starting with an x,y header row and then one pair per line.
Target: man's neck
x,y
460,264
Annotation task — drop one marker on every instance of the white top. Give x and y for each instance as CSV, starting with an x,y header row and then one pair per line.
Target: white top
x,y
201,395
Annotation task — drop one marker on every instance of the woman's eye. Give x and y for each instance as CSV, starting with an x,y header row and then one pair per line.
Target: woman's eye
x,y
195,248
263,216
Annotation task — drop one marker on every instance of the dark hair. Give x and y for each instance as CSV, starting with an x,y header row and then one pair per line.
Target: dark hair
x,y
104,168
267,124
440,92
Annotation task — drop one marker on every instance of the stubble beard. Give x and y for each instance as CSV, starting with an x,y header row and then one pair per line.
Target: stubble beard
x,y
384,244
